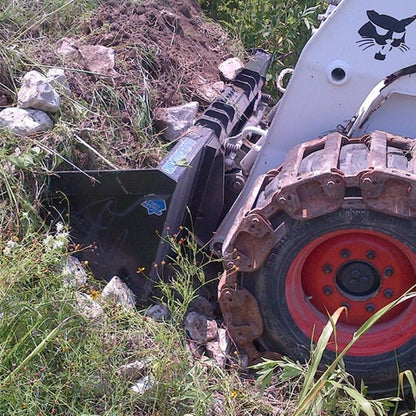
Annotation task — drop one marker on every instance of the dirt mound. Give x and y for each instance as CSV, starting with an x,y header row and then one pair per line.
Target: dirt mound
x,y
169,40
163,49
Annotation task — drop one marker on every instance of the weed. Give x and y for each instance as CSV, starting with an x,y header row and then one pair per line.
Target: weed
x,y
185,273
279,26
333,390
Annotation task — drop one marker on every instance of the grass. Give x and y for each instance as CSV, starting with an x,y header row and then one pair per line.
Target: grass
x,y
280,27
54,361
332,390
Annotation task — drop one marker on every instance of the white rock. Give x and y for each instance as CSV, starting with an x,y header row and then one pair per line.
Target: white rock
x,y
119,293
88,308
67,48
158,312
24,121
209,92
214,351
57,79
36,92
200,328
230,68
99,59
73,272
133,371
143,385
173,121
224,341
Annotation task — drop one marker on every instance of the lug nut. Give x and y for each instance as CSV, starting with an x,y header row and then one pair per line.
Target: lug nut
x,y
327,269
328,290
388,293
345,253
388,271
370,308
371,255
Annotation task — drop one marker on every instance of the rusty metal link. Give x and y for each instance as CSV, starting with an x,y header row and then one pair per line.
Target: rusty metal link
x,y
302,196
388,189
242,316
306,196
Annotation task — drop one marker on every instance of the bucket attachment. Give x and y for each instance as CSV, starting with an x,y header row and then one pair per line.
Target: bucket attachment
x,y
119,220
115,218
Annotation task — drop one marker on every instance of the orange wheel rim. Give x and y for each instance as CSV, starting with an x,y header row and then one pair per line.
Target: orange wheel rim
x,y
363,270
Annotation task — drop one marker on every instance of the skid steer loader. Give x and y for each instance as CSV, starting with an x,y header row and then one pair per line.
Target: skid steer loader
x,y
311,212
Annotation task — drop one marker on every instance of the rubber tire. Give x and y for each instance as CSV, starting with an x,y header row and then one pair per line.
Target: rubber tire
x,y
282,334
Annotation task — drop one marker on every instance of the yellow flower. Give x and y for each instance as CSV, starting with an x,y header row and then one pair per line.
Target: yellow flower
x,y
234,394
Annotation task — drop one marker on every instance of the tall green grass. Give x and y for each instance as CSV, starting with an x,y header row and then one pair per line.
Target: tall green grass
x,y
332,390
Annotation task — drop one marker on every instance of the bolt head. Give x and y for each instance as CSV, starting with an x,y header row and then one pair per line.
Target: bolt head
x,y
388,271
371,255
327,268
388,293
370,308
345,253
282,200
328,290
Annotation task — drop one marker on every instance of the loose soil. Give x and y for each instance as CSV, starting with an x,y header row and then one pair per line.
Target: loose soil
x,y
164,51
166,43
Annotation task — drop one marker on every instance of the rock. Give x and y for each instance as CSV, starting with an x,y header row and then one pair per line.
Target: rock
x,y
134,370
24,121
36,92
143,385
173,121
68,49
224,341
214,351
88,308
57,79
200,328
73,272
209,92
99,59
230,68
119,293
158,312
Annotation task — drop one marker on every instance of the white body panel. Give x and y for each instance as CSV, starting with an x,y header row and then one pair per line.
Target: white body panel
x,y
313,103
317,99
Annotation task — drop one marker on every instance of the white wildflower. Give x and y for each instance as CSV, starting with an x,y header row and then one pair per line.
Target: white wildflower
x,y
59,227
36,149
10,247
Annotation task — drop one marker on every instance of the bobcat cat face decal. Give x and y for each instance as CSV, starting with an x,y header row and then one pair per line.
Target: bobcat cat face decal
x,y
385,33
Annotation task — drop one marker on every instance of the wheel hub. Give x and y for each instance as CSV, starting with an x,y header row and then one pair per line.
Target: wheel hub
x,y
362,270
358,280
